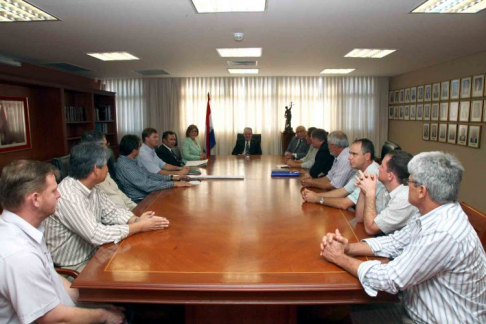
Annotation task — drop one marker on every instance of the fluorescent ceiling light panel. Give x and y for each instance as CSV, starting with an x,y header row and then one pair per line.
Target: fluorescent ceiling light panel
x,y
369,53
213,6
239,52
243,71
114,56
451,6
19,10
337,71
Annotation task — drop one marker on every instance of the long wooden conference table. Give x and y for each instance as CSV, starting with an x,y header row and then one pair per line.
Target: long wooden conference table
x,y
230,242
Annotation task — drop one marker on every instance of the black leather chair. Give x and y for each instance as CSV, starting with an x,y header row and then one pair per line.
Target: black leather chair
x,y
256,137
62,164
387,147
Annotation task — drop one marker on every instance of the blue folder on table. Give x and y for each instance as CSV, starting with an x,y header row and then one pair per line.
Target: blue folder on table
x,y
285,173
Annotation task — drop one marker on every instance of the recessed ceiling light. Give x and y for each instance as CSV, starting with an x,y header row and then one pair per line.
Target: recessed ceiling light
x,y
114,56
19,10
369,53
337,71
243,71
239,52
451,6
205,6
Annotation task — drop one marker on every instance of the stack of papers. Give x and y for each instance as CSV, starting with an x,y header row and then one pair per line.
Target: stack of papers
x,y
196,163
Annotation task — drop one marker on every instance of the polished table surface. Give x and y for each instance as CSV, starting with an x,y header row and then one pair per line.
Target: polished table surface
x,y
250,241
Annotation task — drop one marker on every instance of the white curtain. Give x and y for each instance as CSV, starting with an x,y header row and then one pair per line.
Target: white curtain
x,y
355,105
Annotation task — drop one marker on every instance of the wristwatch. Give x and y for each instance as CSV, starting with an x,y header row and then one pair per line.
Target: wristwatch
x,y
321,201
171,177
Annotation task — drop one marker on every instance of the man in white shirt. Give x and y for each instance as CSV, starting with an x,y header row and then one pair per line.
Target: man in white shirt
x,y
148,159
30,288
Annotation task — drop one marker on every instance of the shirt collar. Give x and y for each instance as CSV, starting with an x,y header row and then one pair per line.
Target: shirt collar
x,y
432,215
146,148
397,190
82,188
35,233
344,153
167,147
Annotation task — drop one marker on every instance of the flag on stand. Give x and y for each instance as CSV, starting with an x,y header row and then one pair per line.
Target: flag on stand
x,y
210,138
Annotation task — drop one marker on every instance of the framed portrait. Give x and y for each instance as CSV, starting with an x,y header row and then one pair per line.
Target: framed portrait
x,y
484,112
433,131
466,88
413,94
420,94
391,96
443,133
427,111
464,111
407,95
391,112
436,92
406,114
455,86
474,136
444,111
477,85
444,94
397,112
14,124
412,112
395,100
401,113
453,110
476,110
427,92
402,96
435,111
462,135
452,134
420,112
425,132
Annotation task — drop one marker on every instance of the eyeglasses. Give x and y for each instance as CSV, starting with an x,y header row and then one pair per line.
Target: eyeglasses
x,y
407,181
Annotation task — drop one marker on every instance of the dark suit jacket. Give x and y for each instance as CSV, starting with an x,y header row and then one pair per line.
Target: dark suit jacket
x,y
165,155
255,148
323,163
301,151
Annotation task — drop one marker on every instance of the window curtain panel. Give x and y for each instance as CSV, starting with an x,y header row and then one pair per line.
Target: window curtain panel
x,y
355,105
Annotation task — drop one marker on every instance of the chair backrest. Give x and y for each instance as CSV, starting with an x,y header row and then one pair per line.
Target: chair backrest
x,y
256,137
477,220
387,147
62,164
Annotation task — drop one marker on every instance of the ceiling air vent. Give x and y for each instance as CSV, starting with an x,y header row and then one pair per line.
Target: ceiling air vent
x,y
151,72
242,63
67,67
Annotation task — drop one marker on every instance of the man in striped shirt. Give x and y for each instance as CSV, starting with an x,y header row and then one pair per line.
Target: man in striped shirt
x,y
85,217
438,261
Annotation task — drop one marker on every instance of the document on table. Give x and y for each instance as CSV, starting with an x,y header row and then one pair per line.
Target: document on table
x,y
196,163
233,177
283,166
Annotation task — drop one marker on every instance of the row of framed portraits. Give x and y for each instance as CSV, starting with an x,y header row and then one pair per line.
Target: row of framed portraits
x,y
463,111
466,135
464,88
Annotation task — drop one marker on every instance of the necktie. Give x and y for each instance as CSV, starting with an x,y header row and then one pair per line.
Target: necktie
x,y
247,148
298,143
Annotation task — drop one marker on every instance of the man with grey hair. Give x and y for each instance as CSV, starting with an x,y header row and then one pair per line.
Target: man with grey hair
x,y
85,218
247,145
298,146
438,260
341,171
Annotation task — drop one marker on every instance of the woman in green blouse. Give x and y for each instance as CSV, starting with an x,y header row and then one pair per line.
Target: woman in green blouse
x,y
191,150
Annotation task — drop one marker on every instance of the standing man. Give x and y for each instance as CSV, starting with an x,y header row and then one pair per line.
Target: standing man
x,y
308,160
247,146
30,289
298,146
390,210
149,159
438,261
165,151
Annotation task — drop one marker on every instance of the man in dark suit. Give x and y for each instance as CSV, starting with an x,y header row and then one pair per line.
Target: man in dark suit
x,y
247,145
324,159
298,146
164,151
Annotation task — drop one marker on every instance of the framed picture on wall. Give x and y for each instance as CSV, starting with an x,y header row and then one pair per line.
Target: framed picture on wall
x,y
435,111
426,111
484,112
420,94
420,112
428,92
401,112
436,92
443,133
395,101
14,124
453,110
425,132
391,96
406,114
444,94
464,111
391,112
466,88
402,96
412,112
455,86
474,136
433,131
397,112
413,94
476,110
444,111
407,95
478,85
452,134
462,135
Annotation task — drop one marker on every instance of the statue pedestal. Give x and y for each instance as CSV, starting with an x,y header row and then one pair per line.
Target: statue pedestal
x,y
286,138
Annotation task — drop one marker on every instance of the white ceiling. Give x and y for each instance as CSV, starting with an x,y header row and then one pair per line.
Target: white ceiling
x,y
298,37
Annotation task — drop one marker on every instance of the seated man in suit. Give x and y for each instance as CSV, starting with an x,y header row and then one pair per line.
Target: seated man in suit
x,y
324,159
247,146
298,146
165,151
307,161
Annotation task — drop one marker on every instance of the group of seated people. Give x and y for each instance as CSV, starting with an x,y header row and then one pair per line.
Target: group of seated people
x,y
408,202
